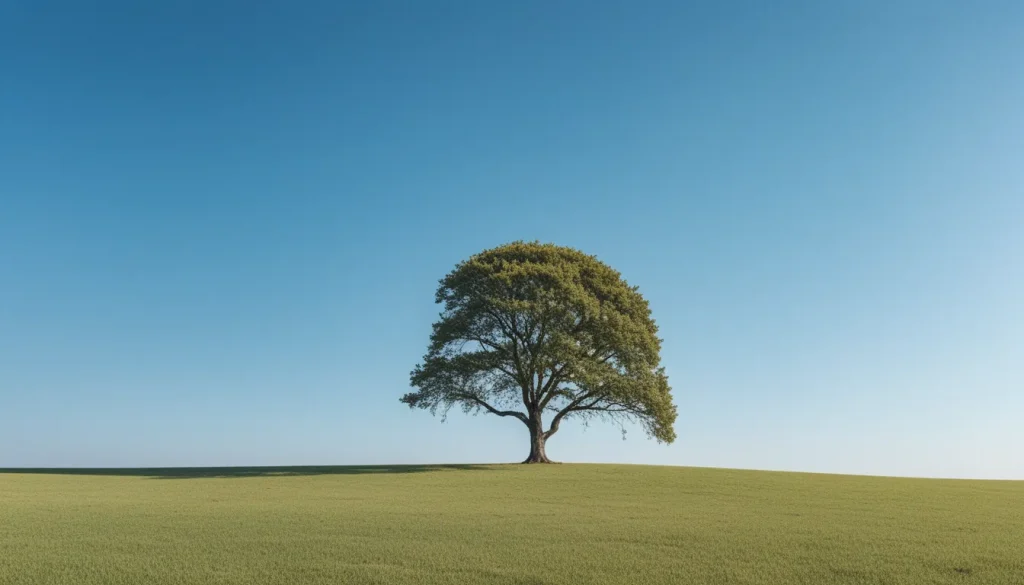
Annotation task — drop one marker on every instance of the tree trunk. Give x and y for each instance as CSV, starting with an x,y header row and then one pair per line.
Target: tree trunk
x,y
537,440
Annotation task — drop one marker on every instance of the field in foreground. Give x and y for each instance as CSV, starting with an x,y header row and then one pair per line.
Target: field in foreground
x,y
515,524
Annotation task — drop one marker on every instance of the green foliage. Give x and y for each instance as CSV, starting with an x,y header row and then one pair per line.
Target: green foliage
x,y
581,525
529,328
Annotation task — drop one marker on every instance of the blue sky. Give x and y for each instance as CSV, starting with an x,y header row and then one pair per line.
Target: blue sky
x,y
221,225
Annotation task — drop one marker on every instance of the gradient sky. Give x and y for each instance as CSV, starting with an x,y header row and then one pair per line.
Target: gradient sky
x,y
222,223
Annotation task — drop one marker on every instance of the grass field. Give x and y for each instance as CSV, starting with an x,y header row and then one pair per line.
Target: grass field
x,y
515,524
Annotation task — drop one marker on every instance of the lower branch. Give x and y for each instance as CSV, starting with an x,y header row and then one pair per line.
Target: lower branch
x,y
492,410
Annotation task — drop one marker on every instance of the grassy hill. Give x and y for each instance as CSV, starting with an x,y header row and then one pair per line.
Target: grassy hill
x,y
514,524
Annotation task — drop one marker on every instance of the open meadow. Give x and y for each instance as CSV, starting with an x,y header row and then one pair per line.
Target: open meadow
x,y
504,524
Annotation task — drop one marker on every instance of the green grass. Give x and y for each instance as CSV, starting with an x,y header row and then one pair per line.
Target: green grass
x,y
516,524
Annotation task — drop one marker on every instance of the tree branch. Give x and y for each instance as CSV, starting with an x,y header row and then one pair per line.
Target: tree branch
x,y
497,349
558,417
492,410
548,392
536,351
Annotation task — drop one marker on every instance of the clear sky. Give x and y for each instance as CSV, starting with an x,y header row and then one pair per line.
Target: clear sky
x,y
222,223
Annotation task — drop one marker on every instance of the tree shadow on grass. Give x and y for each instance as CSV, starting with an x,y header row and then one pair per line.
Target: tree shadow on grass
x,y
230,472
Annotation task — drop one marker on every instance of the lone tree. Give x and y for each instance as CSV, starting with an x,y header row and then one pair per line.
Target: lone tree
x,y
529,329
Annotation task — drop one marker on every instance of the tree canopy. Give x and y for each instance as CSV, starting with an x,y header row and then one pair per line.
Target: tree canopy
x,y
530,329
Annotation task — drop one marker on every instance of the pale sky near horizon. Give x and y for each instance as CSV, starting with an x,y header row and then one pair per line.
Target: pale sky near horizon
x,y
221,224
